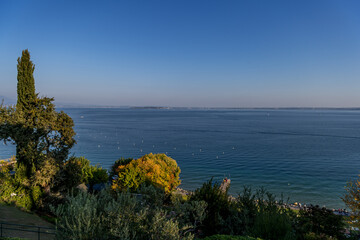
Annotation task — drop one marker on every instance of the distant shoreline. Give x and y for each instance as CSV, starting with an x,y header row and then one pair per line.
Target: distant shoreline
x,y
211,108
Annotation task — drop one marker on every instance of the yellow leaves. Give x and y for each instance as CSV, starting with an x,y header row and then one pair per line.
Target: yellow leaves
x,y
157,169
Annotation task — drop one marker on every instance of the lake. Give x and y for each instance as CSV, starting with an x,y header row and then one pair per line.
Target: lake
x,y
308,155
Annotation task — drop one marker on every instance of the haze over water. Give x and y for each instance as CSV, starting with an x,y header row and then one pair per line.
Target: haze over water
x,y
308,155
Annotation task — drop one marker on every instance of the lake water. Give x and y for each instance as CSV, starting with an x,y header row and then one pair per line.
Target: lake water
x,y
308,155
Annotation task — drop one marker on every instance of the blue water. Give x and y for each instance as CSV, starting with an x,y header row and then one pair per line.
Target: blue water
x,y
308,155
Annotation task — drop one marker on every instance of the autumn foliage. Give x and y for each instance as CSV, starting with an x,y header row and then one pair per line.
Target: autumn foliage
x,y
155,169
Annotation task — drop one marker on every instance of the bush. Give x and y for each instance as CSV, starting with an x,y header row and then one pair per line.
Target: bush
x,y
163,228
254,214
189,214
99,175
272,221
320,222
119,162
47,175
12,192
110,215
152,196
79,218
158,170
248,210
78,170
220,210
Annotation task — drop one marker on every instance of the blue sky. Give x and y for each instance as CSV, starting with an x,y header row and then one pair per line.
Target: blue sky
x,y
186,53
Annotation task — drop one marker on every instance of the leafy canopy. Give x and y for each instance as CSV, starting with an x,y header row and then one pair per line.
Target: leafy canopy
x,y
42,135
155,169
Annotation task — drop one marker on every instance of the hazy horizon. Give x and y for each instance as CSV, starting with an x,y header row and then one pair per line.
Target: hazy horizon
x,y
242,54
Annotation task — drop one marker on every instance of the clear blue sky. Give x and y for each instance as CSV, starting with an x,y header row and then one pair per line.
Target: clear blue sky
x,y
186,53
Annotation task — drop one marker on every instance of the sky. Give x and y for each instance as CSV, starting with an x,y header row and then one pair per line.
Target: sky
x,y
254,53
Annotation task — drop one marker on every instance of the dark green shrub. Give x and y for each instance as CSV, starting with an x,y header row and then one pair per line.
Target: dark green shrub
x,y
220,210
164,228
114,215
153,196
12,192
98,175
189,214
273,219
79,218
248,210
320,221
78,170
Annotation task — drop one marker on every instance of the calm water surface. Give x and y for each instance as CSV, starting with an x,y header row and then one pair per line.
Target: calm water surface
x,y
308,155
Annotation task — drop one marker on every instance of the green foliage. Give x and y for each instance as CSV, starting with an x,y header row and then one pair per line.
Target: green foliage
x,y
11,192
158,170
189,214
163,228
352,201
152,196
229,237
248,210
46,175
110,215
150,213
78,170
219,211
36,193
320,222
42,135
99,175
120,162
255,214
80,218
26,82
17,195
272,219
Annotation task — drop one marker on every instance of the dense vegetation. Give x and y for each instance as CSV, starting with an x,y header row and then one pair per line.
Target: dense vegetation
x,y
43,138
138,198
159,170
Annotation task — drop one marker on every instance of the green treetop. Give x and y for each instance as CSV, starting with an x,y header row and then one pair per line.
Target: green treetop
x,y
26,82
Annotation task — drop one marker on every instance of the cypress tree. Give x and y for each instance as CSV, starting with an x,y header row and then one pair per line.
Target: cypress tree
x,y
43,137
26,97
26,82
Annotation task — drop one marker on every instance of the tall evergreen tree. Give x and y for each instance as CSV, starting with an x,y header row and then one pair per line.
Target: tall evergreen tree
x,y
26,82
25,98
43,137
